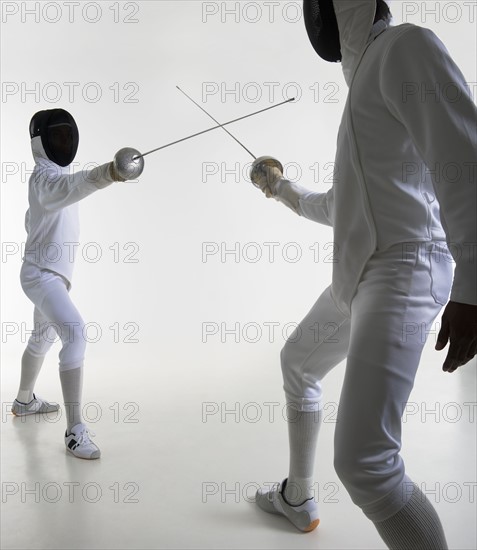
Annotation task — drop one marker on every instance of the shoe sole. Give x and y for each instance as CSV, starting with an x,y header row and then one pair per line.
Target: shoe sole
x,y
83,457
33,412
313,525
27,413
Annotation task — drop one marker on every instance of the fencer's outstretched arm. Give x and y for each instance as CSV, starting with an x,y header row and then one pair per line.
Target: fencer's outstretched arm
x,y
56,190
426,92
314,206
311,205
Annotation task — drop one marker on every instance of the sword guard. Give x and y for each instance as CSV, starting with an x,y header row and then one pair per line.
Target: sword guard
x,y
128,164
258,168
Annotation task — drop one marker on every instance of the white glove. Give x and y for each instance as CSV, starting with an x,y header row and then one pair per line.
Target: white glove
x,y
114,173
266,175
268,180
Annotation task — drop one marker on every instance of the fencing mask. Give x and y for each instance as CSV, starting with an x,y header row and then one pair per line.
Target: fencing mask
x,y
322,28
59,135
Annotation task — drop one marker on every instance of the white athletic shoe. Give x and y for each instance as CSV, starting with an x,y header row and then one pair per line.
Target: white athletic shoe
x,y
79,443
35,406
304,517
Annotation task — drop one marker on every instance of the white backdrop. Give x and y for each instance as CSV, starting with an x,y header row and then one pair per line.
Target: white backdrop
x,y
118,79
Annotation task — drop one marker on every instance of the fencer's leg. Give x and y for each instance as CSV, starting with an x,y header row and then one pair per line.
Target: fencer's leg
x,y
303,429
40,341
72,387
383,358
57,306
318,344
415,526
31,366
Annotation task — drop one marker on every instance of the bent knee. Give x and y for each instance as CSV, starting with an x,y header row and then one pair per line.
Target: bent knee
x,y
291,353
347,467
73,335
285,356
355,467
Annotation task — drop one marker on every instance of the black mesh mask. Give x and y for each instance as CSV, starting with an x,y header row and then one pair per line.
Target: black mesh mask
x,y
59,135
322,28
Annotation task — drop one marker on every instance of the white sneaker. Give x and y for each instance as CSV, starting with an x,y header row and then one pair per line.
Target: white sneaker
x,y
36,406
304,516
79,443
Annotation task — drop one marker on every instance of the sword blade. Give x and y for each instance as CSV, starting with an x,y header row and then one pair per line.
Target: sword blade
x,y
217,122
214,128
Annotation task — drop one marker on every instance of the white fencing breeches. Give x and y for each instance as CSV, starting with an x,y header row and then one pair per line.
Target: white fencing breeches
x,y
54,315
400,293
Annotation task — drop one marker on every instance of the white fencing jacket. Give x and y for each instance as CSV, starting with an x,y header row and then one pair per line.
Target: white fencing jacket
x,y
406,163
52,220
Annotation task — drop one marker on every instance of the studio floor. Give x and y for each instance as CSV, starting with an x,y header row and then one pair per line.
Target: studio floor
x,y
181,462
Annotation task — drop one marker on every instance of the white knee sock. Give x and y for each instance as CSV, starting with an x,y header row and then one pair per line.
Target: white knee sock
x,y
72,385
31,366
303,428
416,526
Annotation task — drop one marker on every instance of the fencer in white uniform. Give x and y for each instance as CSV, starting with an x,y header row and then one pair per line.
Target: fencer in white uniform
x,y
52,226
403,206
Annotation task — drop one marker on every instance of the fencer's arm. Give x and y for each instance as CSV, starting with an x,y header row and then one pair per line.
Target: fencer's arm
x,y
311,205
56,190
426,91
